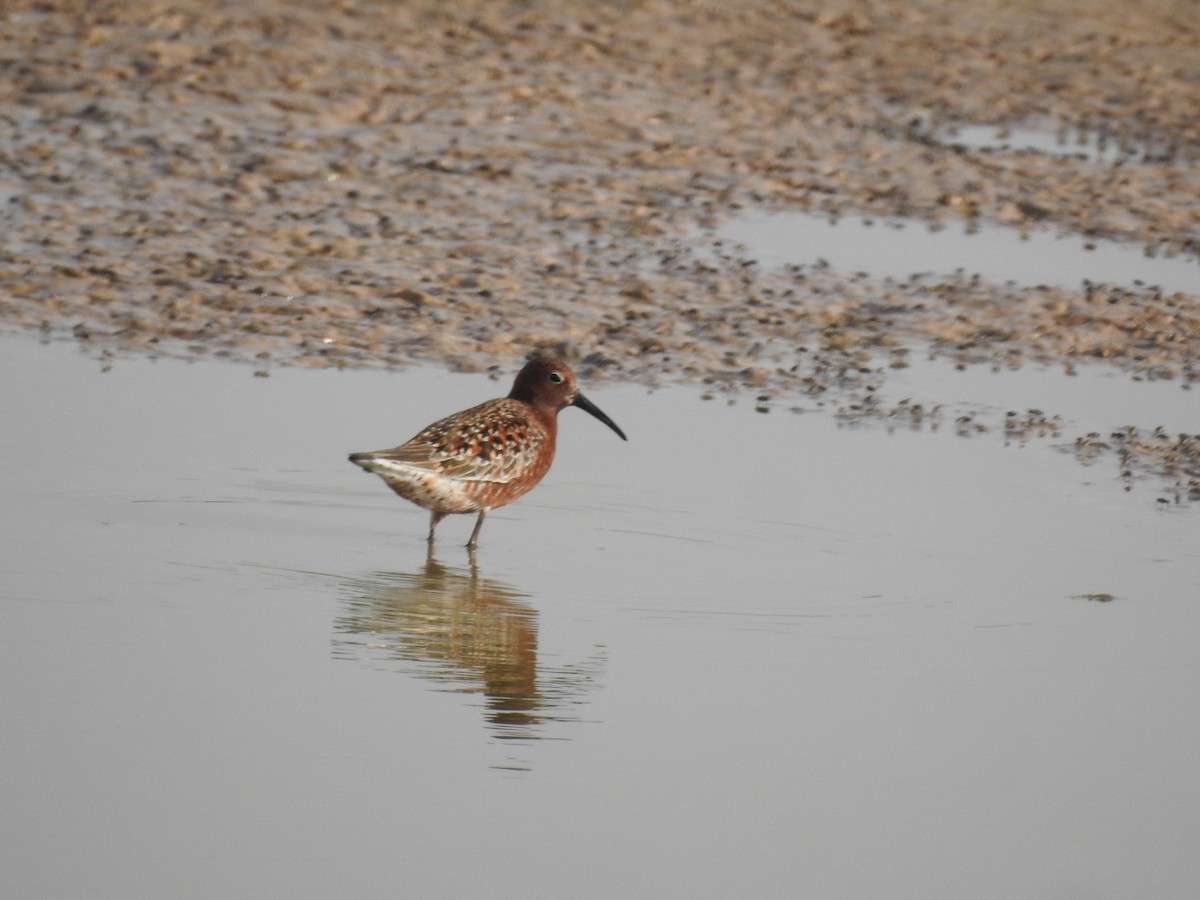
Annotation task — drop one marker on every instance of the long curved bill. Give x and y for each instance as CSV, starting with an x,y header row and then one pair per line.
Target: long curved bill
x,y
588,406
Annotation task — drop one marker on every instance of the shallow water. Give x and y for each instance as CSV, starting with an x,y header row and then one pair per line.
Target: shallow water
x,y
899,249
1089,145
1085,397
742,654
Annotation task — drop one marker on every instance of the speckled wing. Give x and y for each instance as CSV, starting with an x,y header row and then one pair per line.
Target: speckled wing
x,y
494,442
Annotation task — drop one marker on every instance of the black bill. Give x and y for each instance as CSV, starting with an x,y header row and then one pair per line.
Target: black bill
x,y
588,406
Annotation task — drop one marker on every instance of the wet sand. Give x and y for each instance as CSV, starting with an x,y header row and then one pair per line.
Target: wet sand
x,y
378,184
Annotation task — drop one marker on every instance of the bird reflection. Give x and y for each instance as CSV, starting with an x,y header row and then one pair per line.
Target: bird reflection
x,y
466,633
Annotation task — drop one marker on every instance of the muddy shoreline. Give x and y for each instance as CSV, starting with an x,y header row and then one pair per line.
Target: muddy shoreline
x,y
377,184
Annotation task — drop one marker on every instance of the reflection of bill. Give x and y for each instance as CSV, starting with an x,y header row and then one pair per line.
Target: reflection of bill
x,y
466,633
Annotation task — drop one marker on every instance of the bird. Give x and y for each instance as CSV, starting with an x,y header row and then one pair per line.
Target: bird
x,y
489,455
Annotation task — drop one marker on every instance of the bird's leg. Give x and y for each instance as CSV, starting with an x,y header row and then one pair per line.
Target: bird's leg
x,y
434,518
475,534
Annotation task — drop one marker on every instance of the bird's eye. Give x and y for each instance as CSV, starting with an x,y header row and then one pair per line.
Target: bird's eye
x,y
554,377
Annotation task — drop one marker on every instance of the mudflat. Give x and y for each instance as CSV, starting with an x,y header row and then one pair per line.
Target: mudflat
x,y
369,184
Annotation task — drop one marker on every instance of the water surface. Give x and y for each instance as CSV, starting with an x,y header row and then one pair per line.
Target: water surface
x,y
900,248
741,654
